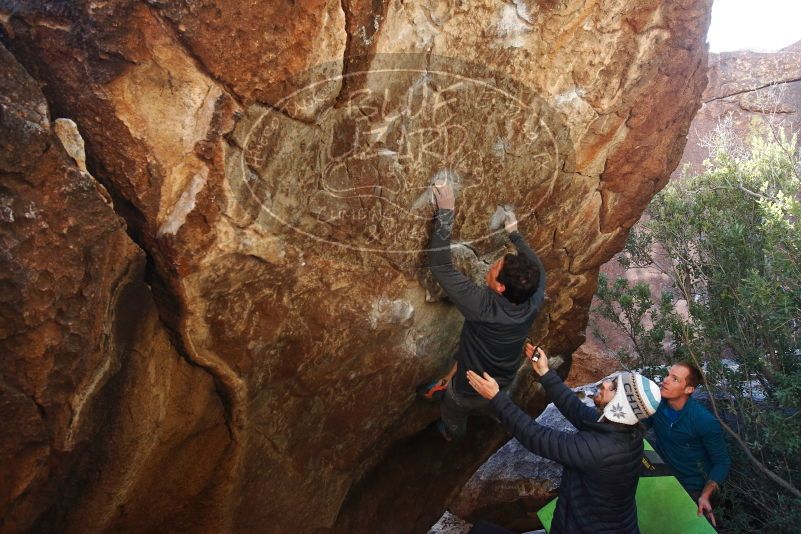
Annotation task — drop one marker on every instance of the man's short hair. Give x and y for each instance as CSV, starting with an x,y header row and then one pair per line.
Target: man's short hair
x,y
520,277
694,376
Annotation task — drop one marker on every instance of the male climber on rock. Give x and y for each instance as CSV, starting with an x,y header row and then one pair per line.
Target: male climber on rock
x,y
497,317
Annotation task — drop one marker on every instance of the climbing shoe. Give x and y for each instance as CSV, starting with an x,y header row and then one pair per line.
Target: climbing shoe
x,y
443,430
435,391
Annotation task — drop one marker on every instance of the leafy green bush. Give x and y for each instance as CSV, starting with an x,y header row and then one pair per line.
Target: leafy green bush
x,y
729,241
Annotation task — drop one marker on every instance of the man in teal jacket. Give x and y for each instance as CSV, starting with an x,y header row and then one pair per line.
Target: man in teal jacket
x,y
689,438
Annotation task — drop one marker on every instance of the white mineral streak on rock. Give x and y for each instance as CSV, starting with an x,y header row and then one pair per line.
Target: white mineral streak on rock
x,y
568,97
498,218
362,31
71,140
31,211
249,241
387,153
501,147
572,103
168,104
185,204
523,12
394,312
408,28
409,344
80,398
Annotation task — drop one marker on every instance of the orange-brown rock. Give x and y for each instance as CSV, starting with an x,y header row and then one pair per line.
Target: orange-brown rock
x,y
272,161
590,364
101,418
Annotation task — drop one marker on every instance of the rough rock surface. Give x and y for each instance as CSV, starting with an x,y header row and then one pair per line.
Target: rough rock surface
x,y
746,91
590,364
272,163
101,417
450,524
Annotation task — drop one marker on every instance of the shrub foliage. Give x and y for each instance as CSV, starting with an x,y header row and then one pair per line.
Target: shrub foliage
x,y
729,242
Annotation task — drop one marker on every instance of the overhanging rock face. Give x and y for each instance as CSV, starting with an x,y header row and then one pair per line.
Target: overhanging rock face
x,y
272,161
100,414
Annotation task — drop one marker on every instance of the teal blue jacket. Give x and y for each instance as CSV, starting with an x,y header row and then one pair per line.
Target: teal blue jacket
x,y
693,446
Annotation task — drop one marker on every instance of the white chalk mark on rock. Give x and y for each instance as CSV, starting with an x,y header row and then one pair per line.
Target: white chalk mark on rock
x,y
514,25
71,140
6,211
395,312
185,205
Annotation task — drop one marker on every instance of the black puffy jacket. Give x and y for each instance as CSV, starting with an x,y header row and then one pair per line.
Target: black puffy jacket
x,y
601,461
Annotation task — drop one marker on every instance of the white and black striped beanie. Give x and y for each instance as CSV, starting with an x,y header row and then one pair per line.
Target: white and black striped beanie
x,y
636,399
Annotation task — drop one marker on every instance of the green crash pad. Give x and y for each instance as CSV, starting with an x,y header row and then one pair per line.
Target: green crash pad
x,y
663,506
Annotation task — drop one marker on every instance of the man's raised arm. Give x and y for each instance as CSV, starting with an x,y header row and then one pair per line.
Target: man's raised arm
x,y
462,291
523,248
547,442
564,398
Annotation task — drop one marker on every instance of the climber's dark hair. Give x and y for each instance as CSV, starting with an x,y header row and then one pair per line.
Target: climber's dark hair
x,y
520,276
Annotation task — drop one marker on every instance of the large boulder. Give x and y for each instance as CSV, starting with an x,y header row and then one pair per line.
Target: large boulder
x,y
102,418
272,160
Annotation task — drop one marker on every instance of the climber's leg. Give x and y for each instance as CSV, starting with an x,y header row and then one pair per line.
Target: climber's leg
x,y
455,409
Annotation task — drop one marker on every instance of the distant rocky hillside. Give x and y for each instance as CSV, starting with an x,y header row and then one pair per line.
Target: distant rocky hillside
x,y
745,90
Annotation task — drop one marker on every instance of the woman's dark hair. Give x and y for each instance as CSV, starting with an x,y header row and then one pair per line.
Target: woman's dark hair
x,y
520,276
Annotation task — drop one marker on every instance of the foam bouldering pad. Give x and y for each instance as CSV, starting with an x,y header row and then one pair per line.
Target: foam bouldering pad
x,y
663,505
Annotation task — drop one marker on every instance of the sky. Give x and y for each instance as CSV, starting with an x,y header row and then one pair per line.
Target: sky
x,y
759,25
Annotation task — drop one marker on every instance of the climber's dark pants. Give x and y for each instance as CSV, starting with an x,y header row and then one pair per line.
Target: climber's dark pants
x,y
456,408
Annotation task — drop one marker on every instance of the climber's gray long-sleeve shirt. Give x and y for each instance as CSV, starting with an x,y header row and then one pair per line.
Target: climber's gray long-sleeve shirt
x,y
495,329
